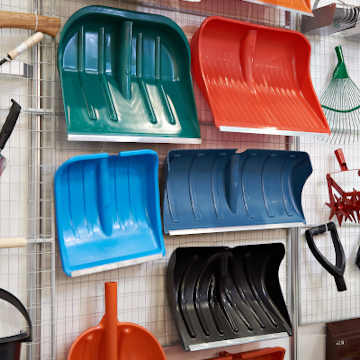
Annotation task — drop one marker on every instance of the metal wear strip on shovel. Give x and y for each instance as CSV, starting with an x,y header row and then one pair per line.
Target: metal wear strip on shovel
x,y
221,190
220,295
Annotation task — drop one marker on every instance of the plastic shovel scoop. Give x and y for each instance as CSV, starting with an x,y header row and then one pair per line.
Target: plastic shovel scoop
x,y
299,6
222,190
210,305
256,79
125,77
108,211
276,353
7,129
113,340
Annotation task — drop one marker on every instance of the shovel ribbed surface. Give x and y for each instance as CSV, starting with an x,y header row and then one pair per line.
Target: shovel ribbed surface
x,y
220,190
125,76
107,211
256,79
221,294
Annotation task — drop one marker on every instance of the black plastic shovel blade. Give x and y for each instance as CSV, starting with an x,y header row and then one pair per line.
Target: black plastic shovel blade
x,y
221,294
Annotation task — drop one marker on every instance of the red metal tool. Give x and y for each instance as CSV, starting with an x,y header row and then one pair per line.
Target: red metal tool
x,y
344,204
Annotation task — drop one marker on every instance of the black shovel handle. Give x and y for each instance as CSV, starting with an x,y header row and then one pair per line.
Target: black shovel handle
x,y
13,300
10,123
337,270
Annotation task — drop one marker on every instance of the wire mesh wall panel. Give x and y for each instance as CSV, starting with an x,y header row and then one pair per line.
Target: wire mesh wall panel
x,y
26,185
142,292
141,289
319,299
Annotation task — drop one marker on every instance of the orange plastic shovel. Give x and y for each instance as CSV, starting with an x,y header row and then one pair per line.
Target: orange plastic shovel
x,y
299,6
113,340
276,353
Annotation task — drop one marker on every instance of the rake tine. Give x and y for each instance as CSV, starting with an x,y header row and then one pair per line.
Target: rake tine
x,y
340,218
350,216
341,100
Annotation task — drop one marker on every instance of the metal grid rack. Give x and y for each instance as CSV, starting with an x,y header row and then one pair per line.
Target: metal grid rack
x,y
39,145
26,190
319,299
141,288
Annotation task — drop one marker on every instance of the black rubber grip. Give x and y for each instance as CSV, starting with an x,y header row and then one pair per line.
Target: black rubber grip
x,y
13,300
337,270
10,123
317,230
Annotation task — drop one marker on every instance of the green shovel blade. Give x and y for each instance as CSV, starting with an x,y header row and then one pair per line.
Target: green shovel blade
x,y
126,77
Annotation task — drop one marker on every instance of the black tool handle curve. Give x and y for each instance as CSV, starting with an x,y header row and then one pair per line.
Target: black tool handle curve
x,y
13,300
10,123
337,270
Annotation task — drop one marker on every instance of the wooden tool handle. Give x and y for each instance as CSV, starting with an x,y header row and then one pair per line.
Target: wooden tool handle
x,y
45,24
12,242
27,44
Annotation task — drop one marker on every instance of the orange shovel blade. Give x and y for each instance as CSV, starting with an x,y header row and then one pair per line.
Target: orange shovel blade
x,y
89,345
134,343
112,340
137,343
256,78
301,6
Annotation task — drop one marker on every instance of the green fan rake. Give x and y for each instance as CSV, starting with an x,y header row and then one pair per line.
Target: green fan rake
x,y
341,105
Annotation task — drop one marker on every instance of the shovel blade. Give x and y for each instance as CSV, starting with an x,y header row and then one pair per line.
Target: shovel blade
x,y
134,342
221,190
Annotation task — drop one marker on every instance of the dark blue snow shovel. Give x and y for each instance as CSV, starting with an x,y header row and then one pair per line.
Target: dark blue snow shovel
x,y
221,190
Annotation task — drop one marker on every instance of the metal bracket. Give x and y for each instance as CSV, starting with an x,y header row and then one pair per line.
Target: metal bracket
x,y
330,19
16,69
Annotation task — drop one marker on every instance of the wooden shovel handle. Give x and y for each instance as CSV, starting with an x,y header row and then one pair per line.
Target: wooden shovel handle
x,y
12,242
45,24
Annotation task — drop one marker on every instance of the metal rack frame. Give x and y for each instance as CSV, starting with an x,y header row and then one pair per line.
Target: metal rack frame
x,y
155,300
60,313
26,190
